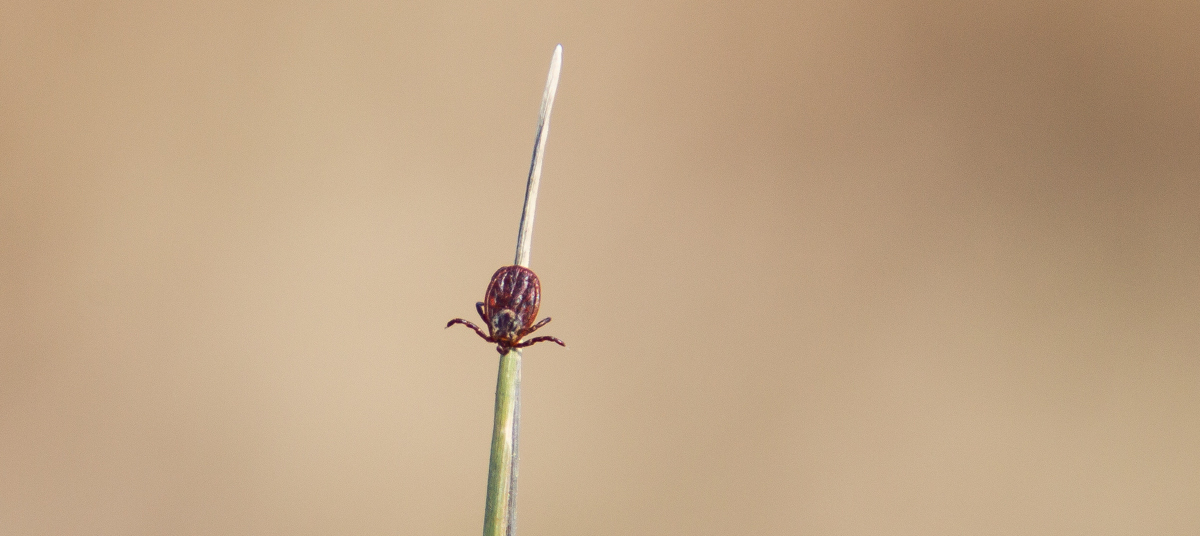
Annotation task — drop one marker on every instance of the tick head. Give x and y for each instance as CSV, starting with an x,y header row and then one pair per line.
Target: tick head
x,y
505,326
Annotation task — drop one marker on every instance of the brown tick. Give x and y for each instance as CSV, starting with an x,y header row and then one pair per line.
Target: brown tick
x,y
509,307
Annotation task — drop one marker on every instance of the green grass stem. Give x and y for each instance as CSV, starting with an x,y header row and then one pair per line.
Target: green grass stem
x,y
500,511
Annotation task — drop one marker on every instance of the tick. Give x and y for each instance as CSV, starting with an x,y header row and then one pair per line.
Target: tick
x,y
509,307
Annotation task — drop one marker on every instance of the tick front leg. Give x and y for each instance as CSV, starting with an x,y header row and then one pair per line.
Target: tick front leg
x,y
535,327
470,325
536,340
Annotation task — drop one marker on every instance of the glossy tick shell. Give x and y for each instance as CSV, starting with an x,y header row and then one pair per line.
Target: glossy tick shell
x,y
509,308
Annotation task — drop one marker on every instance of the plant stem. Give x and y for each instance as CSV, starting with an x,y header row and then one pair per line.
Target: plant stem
x,y
525,231
500,511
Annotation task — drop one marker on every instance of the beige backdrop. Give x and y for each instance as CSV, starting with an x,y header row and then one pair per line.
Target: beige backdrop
x,y
902,268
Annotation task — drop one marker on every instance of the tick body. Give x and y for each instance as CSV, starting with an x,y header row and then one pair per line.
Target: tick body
x,y
509,308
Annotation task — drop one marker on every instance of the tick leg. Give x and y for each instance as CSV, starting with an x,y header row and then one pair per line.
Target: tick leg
x,y
536,340
479,307
535,327
470,325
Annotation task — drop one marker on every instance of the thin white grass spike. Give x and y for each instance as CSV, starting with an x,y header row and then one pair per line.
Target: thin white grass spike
x,y
525,233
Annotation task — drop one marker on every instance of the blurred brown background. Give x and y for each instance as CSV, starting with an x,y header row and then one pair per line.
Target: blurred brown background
x,y
824,267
